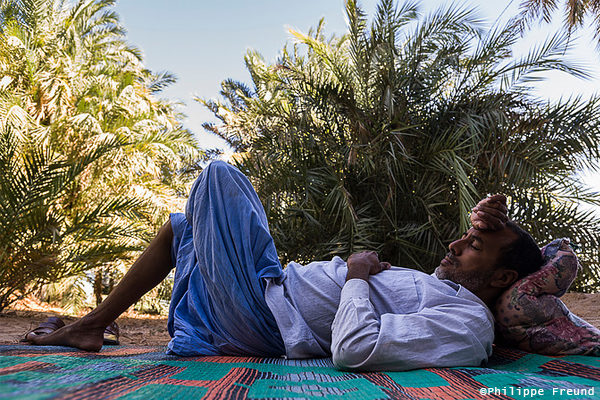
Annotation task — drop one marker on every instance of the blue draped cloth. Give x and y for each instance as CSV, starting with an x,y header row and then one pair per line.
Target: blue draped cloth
x,y
222,250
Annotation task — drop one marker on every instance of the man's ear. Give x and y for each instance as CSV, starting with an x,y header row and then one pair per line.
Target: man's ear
x,y
504,277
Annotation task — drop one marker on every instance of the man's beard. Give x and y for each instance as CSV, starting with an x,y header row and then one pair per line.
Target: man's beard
x,y
474,281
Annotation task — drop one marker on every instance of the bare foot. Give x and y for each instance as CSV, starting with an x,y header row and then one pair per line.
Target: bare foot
x,y
79,334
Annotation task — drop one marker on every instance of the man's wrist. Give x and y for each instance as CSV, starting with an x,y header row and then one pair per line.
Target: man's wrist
x,y
358,273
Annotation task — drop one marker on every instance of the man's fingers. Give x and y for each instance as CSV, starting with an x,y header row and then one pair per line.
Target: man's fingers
x,y
484,210
490,213
491,221
492,205
477,222
481,220
497,201
479,225
382,267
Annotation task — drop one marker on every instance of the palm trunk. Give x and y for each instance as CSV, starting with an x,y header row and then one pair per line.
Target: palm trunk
x,y
98,286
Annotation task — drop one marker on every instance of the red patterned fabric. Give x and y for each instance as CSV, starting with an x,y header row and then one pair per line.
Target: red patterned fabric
x,y
531,316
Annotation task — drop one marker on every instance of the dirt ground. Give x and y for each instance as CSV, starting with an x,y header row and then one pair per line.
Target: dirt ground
x,y
140,329
151,330
585,305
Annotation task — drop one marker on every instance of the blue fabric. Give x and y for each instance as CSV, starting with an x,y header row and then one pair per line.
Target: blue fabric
x,y
222,250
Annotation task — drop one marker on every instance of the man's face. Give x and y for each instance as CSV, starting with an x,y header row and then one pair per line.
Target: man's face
x,y
472,258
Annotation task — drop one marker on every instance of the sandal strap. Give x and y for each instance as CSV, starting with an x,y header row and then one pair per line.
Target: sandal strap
x,y
50,325
111,334
112,329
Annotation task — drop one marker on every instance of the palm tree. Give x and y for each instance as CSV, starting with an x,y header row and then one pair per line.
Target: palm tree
x,y
576,13
67,67
40,241
386,137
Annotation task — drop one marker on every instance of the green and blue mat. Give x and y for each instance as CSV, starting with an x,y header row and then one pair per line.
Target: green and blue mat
x,y
133,372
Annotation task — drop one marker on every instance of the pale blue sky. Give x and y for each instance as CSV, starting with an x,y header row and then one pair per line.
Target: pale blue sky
x,y
203,42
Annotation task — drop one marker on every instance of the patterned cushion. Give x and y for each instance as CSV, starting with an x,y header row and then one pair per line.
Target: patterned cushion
x,y
530,316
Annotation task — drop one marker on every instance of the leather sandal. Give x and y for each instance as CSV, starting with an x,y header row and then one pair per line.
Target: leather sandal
x,y
111,334
45,328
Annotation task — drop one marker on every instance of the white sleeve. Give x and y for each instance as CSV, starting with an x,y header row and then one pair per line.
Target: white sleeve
x,y
448,335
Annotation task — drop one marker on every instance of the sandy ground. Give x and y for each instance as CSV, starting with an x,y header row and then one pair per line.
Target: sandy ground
x,y
585,305
140,329
151,330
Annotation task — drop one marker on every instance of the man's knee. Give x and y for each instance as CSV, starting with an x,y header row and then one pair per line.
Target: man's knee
x,y
214,176
219,174
215,171
218,168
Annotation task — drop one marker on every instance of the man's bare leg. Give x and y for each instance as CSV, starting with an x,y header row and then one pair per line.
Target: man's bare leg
x,y
148,271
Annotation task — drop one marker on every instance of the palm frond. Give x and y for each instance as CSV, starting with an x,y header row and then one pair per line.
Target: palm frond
x,y
386,136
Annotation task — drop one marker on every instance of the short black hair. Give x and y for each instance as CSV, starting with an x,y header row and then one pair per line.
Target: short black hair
x,y
522,255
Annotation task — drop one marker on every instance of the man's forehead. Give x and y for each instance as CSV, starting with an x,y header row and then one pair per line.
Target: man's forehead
x,y
474,234
499,238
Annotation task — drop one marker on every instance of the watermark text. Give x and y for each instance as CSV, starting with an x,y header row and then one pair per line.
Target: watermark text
x,y
535,392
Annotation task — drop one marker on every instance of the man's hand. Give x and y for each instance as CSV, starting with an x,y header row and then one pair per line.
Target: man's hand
x,y
490,213
363,264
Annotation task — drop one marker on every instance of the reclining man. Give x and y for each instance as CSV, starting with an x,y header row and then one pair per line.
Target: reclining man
x,y
232,297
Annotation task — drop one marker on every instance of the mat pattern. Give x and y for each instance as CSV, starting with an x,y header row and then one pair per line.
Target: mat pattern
x,y
130,372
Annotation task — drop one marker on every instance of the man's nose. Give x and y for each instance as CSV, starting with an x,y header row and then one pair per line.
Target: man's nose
x,y
455,247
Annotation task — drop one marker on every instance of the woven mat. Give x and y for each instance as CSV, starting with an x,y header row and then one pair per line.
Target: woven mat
x,y
130,372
